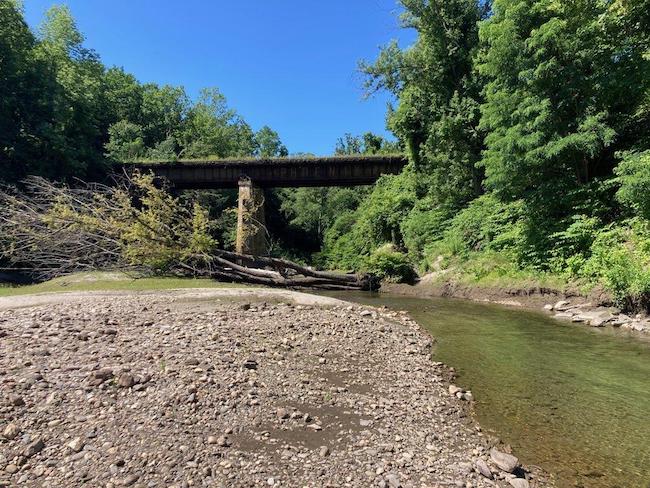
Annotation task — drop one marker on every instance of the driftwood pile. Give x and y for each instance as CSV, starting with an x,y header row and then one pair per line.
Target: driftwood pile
x,y
281,272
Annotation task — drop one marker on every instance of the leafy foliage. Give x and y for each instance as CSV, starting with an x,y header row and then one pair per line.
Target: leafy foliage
x,y
634,178
528,123
620,260
64,114
55,229
389,264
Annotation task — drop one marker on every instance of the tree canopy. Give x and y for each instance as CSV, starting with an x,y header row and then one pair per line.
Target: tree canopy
x,y
527,123
64,114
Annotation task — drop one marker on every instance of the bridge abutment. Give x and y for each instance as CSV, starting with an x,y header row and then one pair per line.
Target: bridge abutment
x,y
251,221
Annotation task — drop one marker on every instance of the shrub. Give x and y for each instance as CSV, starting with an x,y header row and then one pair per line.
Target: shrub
x,y
390,265
620,259
572,246
486,224
423,225
377,221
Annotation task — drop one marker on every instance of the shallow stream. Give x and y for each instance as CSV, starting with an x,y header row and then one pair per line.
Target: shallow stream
x,y
571,399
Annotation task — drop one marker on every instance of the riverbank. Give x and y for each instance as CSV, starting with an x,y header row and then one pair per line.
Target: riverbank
x,y
201,388
568,398
594,309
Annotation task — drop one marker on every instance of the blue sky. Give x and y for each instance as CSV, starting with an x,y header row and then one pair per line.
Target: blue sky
x,y
289,64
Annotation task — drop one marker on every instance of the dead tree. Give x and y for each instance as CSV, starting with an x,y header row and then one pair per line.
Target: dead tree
x,y
50,230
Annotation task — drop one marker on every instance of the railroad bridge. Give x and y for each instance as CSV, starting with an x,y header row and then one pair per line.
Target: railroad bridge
x,y
251,176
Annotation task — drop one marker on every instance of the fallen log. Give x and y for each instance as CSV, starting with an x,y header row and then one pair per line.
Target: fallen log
x,y
284,264
227,270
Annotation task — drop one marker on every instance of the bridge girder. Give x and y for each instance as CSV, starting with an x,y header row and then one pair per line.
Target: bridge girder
x,y
252,175
276,172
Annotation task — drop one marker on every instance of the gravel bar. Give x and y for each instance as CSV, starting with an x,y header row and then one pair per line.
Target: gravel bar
x,y
182,389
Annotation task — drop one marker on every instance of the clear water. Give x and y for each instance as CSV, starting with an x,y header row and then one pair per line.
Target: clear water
x,y
571,399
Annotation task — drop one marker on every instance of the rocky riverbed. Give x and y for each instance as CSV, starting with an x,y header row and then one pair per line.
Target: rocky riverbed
x,y
580,311
179,389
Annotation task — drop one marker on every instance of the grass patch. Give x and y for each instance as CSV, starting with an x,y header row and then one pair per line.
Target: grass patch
x,y
101,281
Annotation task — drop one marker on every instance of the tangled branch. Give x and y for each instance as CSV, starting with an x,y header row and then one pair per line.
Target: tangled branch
x,y
51,230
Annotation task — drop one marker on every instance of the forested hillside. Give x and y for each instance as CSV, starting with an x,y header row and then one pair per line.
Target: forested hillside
x,y
528,126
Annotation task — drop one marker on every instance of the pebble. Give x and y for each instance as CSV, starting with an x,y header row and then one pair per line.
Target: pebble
x,y
282,413
505,462
483,468
126,380
10,431
34,448
16,400
129,480
222,441
393,481
76,444
519,483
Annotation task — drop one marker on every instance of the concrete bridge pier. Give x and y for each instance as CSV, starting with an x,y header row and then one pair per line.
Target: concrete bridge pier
x,y
251,222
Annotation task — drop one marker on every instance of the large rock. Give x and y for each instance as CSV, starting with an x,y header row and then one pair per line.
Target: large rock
x,y
505,462
621,319
563,315
599,318
562,305
595,318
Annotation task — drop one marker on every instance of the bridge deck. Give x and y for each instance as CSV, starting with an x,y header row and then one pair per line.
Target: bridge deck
x,y
277,172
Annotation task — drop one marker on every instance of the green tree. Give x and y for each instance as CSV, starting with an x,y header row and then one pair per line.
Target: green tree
x,y
163,113
368,143
24,99
634,179
123,96
126,142
312,211
438,93
567,85
565,92
267,144
213,129
75,135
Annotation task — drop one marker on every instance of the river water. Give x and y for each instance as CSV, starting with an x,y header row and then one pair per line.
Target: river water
x,y
571,399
